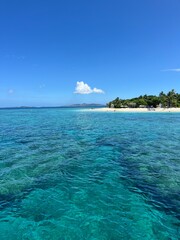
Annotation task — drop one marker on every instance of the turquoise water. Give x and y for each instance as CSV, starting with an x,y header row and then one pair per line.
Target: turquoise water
x,y
69,174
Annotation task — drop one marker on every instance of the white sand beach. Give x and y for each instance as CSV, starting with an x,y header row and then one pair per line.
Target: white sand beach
x,y
135,110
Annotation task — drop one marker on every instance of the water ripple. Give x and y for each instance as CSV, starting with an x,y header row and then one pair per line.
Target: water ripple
x,y
68,174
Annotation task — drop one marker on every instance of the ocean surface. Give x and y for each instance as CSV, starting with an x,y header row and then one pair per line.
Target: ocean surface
x,y
70,174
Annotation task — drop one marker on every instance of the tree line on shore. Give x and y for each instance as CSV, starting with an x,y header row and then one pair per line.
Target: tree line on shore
x,y
171,99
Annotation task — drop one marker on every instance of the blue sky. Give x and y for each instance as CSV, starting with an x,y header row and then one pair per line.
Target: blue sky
x,y
121,48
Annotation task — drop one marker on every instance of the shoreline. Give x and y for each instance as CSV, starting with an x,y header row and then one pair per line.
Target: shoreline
x,y
158,110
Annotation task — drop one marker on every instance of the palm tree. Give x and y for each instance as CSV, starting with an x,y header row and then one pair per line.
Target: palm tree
x,y
171,98
163,99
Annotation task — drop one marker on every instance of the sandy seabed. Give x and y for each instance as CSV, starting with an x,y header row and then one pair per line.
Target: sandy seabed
x,y
134,109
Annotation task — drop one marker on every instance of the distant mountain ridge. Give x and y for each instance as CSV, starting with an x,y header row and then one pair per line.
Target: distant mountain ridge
x,y
86,105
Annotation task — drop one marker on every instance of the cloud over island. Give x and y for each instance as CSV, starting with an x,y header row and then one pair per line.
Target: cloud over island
x,y
84,88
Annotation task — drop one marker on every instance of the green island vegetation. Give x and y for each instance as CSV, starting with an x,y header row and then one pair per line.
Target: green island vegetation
x,y
171,99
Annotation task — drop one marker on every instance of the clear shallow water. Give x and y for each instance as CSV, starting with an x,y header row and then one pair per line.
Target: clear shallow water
x,y
68,174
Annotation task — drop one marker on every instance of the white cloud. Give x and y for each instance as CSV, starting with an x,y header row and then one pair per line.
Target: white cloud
x,y
10,91
96,90
84,88
172,70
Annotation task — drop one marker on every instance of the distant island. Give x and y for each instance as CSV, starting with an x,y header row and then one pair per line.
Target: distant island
x,y
83,105
169,100
86,105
